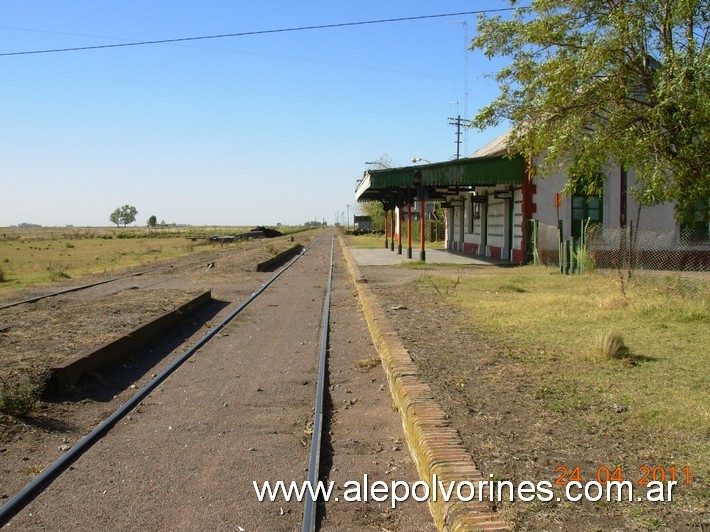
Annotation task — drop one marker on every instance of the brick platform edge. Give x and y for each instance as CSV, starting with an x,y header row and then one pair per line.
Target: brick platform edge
x,y
435,445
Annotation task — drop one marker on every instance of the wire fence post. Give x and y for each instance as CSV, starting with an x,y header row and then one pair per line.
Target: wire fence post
x,y
631,249
536,253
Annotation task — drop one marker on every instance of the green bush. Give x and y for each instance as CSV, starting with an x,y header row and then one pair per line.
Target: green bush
x,y
56,275
18,395
585,260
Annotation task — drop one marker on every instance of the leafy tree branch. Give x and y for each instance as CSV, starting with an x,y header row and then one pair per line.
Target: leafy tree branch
x,y
594,82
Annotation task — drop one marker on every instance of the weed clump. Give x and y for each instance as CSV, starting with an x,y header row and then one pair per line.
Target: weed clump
x,y
610,346
585,260
57,275
512,287
367,363
19,395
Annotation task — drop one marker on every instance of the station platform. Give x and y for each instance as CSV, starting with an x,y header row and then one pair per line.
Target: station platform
x,y
386,257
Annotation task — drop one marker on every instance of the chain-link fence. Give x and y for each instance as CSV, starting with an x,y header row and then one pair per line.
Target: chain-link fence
x,y
546,244
620,248
627,249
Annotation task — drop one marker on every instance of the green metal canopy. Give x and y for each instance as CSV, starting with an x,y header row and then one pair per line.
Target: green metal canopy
x,y
440,178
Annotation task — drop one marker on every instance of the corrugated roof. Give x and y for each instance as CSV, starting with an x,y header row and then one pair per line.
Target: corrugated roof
x,y
478,171
496,147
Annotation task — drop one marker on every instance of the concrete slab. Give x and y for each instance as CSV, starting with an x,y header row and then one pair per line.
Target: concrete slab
x,y
385,257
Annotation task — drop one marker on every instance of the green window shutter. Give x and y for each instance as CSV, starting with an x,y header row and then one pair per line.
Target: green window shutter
x,y
583,208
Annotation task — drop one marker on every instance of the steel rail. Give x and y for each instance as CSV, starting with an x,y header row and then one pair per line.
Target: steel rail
x,y
310,509
44,479
90,285
74,289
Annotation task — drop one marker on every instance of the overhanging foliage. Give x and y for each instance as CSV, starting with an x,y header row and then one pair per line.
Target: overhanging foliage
x,y
593,82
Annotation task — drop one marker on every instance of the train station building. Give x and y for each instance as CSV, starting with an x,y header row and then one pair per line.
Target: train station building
x,y
483,198
490,198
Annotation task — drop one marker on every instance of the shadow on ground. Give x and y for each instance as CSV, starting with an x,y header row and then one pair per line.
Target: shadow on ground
x,y
103,386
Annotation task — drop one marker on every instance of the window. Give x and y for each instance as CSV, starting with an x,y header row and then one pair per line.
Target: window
x,y
695,228
583,208
471,215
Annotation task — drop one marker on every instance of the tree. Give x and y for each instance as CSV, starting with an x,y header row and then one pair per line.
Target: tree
x,y
124,215
128,214
152,221
115,217
598,81
374,210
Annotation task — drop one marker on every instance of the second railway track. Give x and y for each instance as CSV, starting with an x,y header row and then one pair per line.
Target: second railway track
x,y
165,271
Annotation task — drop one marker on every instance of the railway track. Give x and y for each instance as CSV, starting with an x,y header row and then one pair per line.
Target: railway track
x,y
69,290
200,261
52,328
43,484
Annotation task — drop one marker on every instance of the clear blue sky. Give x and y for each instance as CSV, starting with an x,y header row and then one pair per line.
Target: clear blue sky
x,y
245,130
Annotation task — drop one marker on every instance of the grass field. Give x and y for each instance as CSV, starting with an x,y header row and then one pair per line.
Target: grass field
x,y
554,323
378,241
34,256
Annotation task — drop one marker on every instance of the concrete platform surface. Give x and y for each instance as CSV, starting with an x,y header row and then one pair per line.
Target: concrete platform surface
x,y
386,257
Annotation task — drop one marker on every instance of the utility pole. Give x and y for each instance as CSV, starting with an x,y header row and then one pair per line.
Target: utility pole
x,y
348,221
458,122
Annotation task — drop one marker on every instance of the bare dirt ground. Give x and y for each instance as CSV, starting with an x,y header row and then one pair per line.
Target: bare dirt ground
x,y
36,336
492,392
365,431
238,411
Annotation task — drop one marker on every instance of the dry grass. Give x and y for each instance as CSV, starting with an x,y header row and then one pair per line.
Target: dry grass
x,y
609,345
652,360
378,241
19,395
367,363
36,256
506,354
365,241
